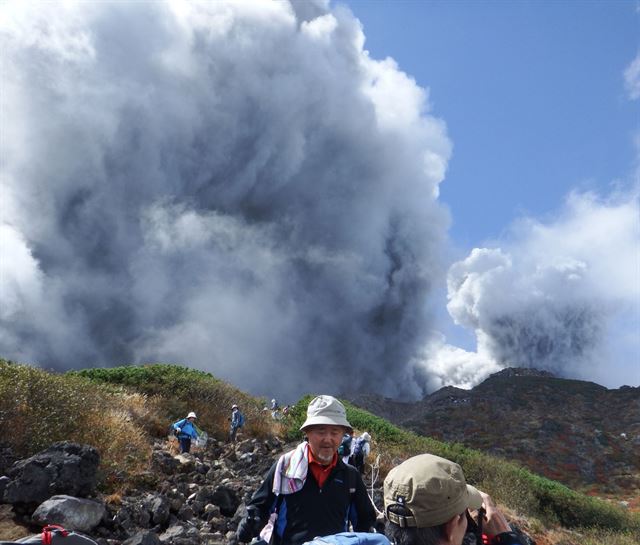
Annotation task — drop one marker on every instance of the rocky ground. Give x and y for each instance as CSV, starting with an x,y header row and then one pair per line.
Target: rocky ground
x,y
193,499
183,499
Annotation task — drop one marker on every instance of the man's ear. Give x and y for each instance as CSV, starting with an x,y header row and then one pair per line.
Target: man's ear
x,y
449,528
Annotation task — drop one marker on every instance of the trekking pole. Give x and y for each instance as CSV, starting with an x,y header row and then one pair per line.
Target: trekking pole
x,y
375,473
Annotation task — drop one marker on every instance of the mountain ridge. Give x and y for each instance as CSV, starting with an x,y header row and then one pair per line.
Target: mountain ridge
x,y
587,435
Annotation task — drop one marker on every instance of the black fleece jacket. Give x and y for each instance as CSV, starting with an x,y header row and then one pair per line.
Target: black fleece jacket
x,y
312,511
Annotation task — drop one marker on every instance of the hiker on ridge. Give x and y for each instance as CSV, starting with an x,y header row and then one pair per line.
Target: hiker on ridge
x,y
360,449
427,502
275,409
310,489
185,430
237,421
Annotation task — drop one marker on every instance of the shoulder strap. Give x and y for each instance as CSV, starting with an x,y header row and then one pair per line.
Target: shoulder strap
x,y
351,482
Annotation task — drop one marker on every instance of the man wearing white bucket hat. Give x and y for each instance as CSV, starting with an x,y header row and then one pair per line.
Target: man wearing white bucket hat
x,y
309,491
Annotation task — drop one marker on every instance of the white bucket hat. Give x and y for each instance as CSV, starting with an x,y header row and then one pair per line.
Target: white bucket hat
x,y
192,415
326,410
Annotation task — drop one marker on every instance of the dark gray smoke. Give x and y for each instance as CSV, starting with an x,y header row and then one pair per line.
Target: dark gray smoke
x,y
235,186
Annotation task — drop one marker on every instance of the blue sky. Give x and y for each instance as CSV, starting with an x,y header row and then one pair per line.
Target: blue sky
x,y
532,93
534,98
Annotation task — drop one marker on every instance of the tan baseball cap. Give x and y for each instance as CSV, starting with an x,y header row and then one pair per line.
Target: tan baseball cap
x,y
326,410
433,489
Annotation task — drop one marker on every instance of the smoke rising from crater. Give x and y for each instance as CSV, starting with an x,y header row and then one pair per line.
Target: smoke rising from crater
x,y
233,186
563,295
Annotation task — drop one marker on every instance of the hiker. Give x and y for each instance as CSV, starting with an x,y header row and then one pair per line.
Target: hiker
x,y
360,449
310,491
427,502
185,430
275,409
344,450
237,421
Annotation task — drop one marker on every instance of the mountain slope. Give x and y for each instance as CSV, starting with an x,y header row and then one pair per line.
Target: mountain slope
x,y
576,432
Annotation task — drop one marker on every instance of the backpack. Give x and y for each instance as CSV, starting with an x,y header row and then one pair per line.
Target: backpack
x,y
357,448
54,535
350,538
240,419
345,447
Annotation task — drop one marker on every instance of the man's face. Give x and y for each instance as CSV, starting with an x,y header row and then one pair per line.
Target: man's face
x,y
324,441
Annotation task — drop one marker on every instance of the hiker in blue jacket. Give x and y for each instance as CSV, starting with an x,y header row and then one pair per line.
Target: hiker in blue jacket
x,y
237,421
185,431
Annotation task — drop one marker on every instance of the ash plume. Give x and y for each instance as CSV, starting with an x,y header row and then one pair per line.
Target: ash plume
x,y
562,296
235,186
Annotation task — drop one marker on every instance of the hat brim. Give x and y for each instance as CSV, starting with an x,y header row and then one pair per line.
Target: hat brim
x,y
475,499
325,421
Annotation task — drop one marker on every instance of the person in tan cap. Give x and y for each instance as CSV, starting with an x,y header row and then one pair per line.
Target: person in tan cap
x,y
309,491
427,501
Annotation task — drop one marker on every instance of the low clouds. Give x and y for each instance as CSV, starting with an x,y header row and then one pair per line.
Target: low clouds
x,y
234,186
561,295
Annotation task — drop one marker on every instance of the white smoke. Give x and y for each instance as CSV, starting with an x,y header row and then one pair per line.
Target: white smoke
x,y
632,78
562,295
236,186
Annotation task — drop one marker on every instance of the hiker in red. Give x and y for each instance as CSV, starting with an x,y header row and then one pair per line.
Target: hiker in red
x,y
309,491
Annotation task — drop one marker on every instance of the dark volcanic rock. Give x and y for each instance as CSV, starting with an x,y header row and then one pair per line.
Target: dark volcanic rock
x,y
63,468
72,513
143,538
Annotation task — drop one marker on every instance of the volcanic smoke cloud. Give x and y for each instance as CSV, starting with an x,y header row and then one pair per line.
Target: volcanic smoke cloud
x,y
238,187
563,296
233,186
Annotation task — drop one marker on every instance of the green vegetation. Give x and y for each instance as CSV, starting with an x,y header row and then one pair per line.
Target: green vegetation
x,y
120,410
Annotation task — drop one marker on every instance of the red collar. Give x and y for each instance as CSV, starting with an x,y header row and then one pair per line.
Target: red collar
x,y
319,471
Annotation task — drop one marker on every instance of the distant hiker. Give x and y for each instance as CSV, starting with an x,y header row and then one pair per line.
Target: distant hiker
x,y
310,491
344,450
360,449
285,410
427,502
237,421
185,430
275,409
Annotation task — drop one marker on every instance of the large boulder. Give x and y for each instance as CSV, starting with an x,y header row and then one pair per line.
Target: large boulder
x,y
73,513
226,499
63,468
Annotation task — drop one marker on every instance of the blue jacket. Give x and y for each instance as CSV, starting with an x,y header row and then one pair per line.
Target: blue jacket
x,y
187,429
236,418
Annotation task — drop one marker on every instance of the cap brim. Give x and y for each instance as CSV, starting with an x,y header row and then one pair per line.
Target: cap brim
x,y
475,499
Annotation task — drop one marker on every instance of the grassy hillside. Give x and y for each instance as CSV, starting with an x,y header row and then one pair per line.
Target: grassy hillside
x,y
121,410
